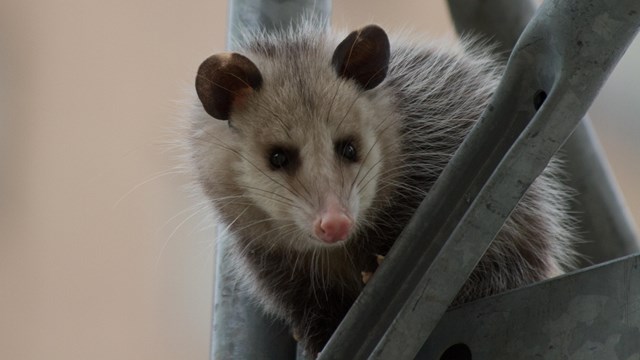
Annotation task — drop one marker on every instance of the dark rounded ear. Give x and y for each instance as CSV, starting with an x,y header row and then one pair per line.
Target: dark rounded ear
x,y
224,82
363,56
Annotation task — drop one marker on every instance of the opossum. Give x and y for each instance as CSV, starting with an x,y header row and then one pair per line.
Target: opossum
x,y
315,149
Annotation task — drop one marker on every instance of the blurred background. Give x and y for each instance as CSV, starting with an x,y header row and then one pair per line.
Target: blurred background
x,y
103,255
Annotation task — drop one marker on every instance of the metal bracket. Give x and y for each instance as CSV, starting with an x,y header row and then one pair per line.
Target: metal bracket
x,y
591,314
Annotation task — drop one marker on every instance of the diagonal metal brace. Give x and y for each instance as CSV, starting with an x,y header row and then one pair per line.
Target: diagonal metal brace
x,y
566,52
604,222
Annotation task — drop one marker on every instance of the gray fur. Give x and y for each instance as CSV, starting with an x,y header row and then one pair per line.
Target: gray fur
x,y
409,127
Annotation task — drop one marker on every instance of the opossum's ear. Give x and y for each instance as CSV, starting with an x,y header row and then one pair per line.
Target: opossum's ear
x,y
224,82
363,56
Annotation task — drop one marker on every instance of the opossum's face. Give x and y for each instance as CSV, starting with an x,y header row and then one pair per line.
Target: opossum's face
x,y
306,136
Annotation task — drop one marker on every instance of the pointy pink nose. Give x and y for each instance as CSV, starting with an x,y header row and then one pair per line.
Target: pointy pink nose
x,y
333,227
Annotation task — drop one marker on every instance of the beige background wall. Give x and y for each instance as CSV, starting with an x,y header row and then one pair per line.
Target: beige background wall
x,y
102,254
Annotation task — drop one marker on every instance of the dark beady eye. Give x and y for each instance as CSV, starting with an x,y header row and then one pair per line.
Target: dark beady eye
x,y
278,158
347,150
283,157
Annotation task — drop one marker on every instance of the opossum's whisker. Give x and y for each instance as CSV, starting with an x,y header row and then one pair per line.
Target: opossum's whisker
x,y
333,99
253,165
395,169
154,177
264,234
193,207
285,199
264,107
347,112
304,187
370,149
166,242
359,94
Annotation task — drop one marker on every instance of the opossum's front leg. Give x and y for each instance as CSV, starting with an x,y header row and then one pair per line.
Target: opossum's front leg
x,y
317,315
314,331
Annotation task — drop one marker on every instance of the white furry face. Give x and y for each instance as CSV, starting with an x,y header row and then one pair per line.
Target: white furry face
x,y
294,158
307,138
297,151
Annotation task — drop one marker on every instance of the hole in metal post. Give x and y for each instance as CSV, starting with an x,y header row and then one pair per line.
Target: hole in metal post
x,y
539,98
457,352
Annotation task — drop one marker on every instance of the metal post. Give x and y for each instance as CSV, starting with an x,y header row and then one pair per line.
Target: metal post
x,y
501,21
604,222
271,14
240,328
561,53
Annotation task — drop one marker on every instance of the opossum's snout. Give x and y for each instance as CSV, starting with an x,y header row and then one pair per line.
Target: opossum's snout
x,y
334,223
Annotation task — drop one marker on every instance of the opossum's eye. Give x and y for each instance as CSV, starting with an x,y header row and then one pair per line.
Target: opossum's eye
x,y
278,159
282,157
347,150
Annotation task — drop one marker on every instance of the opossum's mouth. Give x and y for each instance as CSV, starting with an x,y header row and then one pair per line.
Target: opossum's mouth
x,y
314,242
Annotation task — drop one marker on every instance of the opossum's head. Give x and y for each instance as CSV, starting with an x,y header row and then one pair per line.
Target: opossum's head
x,y
307,130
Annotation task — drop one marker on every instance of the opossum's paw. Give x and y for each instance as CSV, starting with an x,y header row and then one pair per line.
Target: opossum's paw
x,y
296,335
366,275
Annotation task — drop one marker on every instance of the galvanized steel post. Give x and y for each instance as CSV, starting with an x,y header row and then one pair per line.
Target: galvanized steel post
x,y
271,14
240,328
500,21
